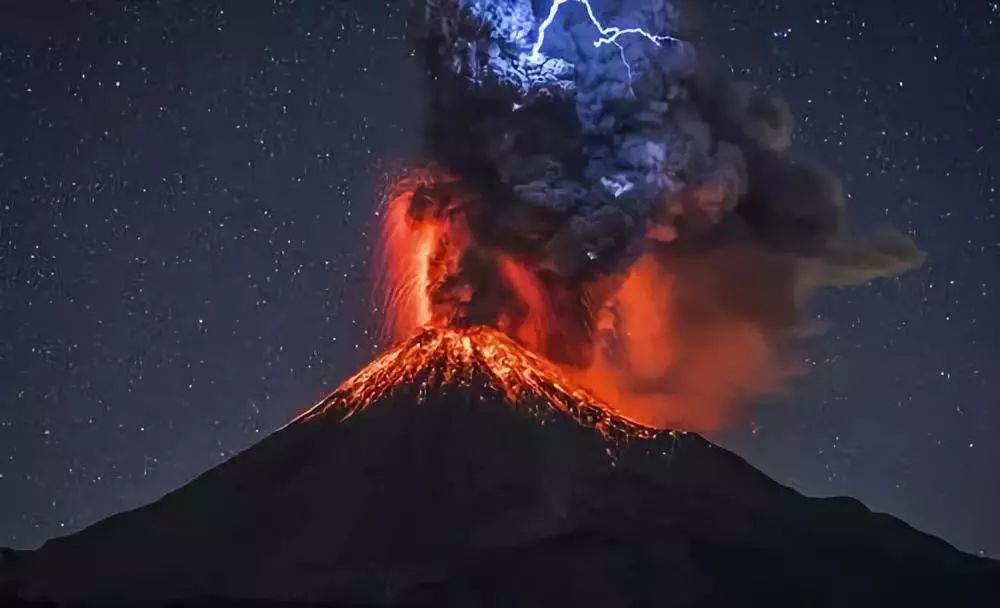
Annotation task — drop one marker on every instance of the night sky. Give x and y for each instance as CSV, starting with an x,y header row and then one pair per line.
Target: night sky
x,y
186,200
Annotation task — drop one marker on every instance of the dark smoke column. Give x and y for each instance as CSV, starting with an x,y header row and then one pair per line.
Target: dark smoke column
x,y
575,140
579,143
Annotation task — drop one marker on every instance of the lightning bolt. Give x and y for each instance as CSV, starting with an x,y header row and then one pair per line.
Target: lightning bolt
x,y
609,35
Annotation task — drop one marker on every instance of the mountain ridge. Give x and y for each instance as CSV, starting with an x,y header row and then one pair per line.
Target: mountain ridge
x,y
464,493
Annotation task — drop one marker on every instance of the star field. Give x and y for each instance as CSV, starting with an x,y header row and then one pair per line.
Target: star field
x,y
184,199
187,189
899,406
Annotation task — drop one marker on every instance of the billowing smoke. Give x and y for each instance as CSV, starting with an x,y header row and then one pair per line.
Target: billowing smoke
x,y
594,195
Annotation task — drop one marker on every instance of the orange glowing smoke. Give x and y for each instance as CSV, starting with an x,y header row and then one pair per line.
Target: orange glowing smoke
x,y
533,330
683,356
678,344
479,357
429,271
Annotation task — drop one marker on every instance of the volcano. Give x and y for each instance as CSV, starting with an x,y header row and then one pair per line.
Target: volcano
x,y
460,469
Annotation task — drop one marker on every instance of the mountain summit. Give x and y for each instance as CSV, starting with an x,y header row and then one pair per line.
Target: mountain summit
x,y
458,469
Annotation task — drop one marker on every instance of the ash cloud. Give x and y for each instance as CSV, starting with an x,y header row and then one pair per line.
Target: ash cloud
x,y
660,212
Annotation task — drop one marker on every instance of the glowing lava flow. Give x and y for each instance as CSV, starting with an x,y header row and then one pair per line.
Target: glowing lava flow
x,y
480,358
402,260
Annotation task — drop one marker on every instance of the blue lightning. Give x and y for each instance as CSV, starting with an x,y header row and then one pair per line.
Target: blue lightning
x,y
609,35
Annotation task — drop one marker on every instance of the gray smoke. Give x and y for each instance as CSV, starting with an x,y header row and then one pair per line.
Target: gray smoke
x,y
614,156
581,159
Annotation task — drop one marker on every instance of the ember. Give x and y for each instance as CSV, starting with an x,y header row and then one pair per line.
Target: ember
x,y
483,357
607,217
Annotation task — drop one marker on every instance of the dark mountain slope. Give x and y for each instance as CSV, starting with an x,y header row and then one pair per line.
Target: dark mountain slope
x,y
471,496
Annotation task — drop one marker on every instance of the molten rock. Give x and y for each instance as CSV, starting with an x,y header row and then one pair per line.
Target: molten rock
x,y
583,176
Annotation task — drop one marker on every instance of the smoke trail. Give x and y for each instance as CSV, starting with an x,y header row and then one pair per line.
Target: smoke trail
x,y
614,209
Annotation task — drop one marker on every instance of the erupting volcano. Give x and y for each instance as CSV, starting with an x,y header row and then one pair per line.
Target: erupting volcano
x,y
460,469
605,251
594,195
481,360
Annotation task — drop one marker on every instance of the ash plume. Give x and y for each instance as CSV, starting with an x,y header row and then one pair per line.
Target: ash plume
x,y
594,195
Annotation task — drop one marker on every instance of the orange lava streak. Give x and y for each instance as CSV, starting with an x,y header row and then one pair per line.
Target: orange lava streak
x,y
474,356
402,262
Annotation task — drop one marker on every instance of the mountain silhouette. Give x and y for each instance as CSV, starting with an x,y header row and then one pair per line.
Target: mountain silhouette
x,y
447,474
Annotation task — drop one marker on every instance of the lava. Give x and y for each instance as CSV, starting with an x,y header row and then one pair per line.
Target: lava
x,y
655,342
437,359
403,255
432,272
667,340
448,334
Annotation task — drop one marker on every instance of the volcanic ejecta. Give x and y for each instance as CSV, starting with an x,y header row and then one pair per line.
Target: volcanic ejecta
x,y
594,195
